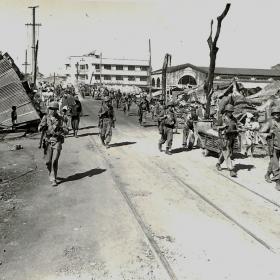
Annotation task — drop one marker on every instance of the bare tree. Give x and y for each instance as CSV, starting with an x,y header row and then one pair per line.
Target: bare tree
x,y
208,86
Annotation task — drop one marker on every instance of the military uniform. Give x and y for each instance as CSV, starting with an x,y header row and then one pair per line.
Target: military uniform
x,y
274,147
106,122
168,123
228,133
188,131
54,136
143,109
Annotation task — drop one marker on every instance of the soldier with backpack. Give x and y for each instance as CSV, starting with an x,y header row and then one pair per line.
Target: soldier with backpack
x,y
55,130
228,133
272,127
144,108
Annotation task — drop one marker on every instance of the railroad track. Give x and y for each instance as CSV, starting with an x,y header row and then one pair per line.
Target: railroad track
x,y
144,228
212,204
268,200
119,185
185,185
248,189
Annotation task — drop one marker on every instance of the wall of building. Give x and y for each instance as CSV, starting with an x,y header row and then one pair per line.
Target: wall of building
x,y
174,77
133,72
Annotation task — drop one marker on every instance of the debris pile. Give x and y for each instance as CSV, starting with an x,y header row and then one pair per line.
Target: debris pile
x,y
13,93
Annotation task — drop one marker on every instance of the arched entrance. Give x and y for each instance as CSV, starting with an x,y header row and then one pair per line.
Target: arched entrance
x,y
187,80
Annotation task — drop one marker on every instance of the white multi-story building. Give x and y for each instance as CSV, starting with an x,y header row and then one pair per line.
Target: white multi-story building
x,y
94,69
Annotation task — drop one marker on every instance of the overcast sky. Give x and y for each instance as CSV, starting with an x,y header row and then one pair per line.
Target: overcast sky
x,y
121,28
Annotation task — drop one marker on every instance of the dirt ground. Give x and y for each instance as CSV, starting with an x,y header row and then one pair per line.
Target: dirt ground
x,y
131,212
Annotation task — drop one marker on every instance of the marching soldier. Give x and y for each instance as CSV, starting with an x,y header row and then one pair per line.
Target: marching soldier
x,y
106,121
143,109
273,129
55,131
228,133
188,130
168,123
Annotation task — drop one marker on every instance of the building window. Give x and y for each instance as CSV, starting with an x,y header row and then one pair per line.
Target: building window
x,y
153,82
107,78
119,78
158,82
131,78
84,66
97,77
107,67
83,77
119,67
143,68
131,68
143,79
97,66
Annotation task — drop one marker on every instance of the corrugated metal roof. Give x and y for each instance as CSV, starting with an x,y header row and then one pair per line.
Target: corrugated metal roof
x,y
12,93
225,70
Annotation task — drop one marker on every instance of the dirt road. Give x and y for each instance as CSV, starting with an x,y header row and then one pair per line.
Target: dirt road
x,y
131,212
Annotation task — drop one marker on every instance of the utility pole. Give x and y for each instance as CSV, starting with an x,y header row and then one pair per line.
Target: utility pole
x,y
54,79
25,64
150,69
100,69
33,24
35,62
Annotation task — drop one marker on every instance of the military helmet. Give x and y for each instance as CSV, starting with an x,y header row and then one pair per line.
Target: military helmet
x,y
229,108
275,110
53,105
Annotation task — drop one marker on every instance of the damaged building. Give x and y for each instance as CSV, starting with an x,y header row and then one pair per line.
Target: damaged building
x,y
14,91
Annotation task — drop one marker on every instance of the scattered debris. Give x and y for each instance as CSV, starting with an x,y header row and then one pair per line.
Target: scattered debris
x,y
16,147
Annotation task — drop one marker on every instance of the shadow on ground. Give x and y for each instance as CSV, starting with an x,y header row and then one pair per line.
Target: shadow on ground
x,y
178,150
88,127
78,176
240,166
149,125
121,144
84,135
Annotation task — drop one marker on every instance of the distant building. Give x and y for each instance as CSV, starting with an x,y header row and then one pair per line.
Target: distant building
x,y
94,69
188,75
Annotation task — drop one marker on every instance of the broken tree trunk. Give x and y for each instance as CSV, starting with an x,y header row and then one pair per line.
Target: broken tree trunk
x,y
208,86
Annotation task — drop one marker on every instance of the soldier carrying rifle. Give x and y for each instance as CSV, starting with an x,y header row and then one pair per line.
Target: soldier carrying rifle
x,y
55,130
106,121
228,133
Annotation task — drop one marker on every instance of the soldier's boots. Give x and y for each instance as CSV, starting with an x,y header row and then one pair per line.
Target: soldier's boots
x,y
267,178
167,151
160,147
218,166
232,173
54,183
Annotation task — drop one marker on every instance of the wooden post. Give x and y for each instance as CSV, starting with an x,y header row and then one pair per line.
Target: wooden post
x,y
35,63
166,62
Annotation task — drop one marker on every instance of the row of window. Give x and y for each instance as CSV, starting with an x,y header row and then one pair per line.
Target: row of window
x,y
109,67
109,78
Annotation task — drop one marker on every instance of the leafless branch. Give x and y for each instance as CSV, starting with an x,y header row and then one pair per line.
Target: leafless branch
x,y
209,40
220,19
